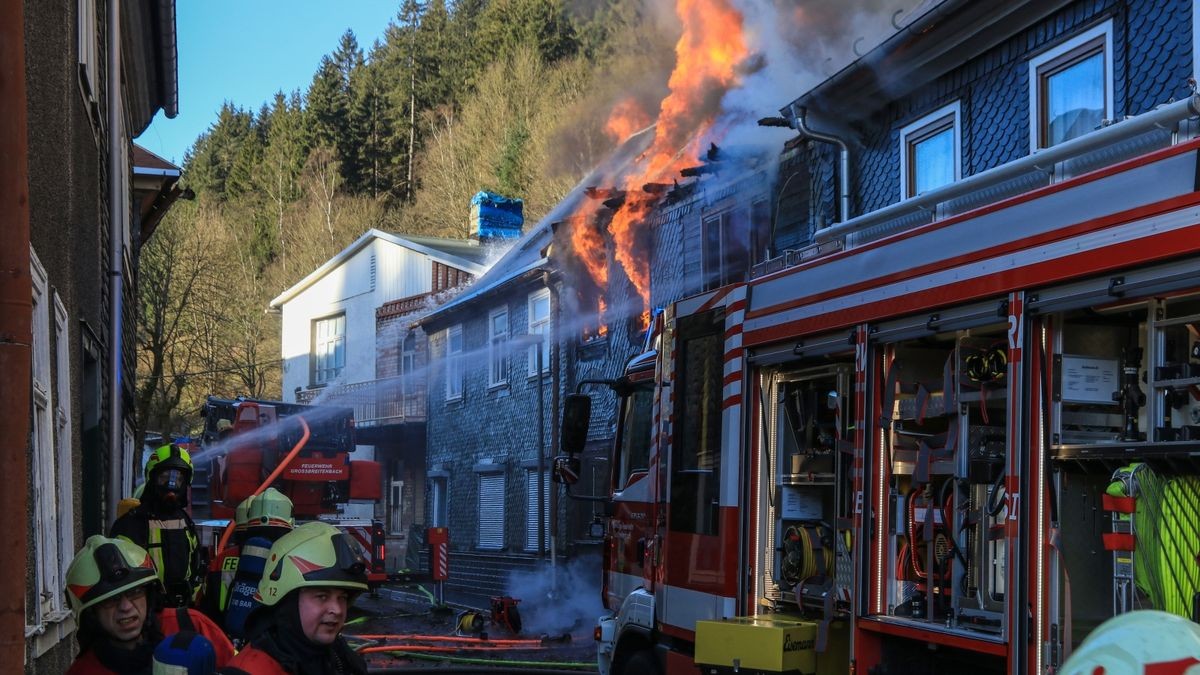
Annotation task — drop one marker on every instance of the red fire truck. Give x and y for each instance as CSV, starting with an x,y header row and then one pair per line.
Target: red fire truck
x,y
902,451
246,439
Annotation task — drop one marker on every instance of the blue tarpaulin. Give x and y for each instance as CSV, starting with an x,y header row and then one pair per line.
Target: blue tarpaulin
x,y
495,216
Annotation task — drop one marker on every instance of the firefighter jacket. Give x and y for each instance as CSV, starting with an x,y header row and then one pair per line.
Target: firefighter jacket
x,y
173,546
101,661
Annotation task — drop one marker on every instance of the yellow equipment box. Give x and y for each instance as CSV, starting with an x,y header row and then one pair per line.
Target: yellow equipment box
x,y
775,643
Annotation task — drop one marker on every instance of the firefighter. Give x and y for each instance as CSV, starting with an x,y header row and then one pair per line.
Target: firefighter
x,y
116,597
224,565
266,516
1138,642
162,526
311,578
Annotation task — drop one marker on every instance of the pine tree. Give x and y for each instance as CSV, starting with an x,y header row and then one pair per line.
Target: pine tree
x,y
370,128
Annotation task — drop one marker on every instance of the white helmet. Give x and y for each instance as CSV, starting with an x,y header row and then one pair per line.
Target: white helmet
x,y
1139,643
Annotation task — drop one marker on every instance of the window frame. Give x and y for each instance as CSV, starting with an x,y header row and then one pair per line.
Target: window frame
x,y
52,552
1056,60
498,348
315,372
488,515
454,369
926,127
540,327
531,489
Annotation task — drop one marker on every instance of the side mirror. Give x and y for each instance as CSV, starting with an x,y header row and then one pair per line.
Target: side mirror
x,y
566,470
577,414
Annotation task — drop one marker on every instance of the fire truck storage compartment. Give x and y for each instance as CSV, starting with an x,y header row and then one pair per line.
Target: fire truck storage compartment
x,y
944,415
810,445
1124,431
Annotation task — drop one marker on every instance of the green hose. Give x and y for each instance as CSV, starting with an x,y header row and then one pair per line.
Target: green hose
x,y
499,662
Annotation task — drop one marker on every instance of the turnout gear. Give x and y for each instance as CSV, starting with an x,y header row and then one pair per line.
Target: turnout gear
x,y
1138,642
315,555
105,568
161,525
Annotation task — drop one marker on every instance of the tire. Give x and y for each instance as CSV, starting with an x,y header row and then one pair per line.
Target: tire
x,y
640,663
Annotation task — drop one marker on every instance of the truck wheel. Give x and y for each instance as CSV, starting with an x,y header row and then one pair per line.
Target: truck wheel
x,y
640,663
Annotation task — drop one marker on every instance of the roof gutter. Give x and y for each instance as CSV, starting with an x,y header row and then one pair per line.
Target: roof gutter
x,y
16,333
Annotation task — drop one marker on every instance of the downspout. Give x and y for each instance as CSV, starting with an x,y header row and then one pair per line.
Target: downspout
x,y
555,382
16,333
116,223
799,118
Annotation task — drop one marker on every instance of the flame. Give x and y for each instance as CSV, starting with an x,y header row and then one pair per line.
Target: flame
x,y
589,247
602,326
627,117
707,57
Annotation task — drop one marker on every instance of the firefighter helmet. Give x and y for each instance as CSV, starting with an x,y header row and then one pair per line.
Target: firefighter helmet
x,y
105,568
272,508
1130,643
241,514
315,554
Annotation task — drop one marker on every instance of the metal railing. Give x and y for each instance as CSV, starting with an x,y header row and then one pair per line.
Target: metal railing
x,y
389,400
1113,143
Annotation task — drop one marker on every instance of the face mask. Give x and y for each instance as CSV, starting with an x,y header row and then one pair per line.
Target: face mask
x,y
171,479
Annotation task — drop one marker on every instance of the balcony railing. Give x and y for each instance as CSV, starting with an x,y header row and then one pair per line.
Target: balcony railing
x,y
390,400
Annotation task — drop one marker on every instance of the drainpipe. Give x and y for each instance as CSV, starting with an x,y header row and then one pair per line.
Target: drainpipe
x,y
16,333
555,382
799,117
116,221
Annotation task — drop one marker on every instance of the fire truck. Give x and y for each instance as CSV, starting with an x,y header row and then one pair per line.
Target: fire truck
x,y
936,441
246,439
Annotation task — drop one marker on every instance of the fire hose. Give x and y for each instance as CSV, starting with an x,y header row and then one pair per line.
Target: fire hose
x,y
270,479
573,665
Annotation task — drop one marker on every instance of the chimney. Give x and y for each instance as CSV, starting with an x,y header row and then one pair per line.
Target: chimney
x,y
495,218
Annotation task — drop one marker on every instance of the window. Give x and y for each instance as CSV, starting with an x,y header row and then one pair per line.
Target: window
x,y
408,354
930,151
329,349
532,511
89,51
438,513
539,324
498,347
725,257
491,510
637,428
1071,88
454,366
696,451
50,465
396,505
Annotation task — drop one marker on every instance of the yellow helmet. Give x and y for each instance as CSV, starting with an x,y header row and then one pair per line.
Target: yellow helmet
x,y
104,568
241,514
272,508
315,554
1130,643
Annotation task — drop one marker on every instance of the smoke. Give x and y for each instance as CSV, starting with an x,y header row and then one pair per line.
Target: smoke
x,y
566,600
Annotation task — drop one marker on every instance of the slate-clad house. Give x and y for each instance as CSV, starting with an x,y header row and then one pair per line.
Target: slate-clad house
x,y
90,198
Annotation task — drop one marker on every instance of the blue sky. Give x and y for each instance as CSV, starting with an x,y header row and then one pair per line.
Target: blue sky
x,y
245,50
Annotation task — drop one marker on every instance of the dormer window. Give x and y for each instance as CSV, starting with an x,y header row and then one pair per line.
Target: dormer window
x,y
1071,88
930,149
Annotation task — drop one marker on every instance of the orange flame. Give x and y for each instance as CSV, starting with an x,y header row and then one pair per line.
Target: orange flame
x,y
708,53
627,117
706,60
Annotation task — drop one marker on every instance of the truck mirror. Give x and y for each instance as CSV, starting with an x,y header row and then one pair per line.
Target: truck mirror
x,y
577,413
566,470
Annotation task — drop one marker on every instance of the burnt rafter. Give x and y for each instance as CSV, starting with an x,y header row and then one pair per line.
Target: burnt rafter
x,y
603,193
